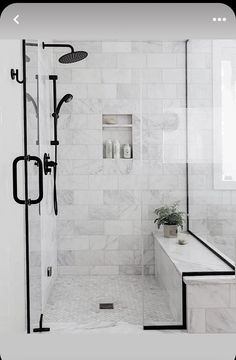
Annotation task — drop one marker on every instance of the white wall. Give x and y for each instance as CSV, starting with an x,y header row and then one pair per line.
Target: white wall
x,y
12,303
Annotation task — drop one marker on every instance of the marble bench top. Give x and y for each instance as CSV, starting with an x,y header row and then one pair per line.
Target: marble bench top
x,y
190,257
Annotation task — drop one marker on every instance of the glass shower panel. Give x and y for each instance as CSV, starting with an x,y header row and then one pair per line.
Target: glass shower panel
x,y
33,143
41,218
163,163
211,142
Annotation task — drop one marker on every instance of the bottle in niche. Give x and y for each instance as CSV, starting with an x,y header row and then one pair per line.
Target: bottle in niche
x,y
108,149
116,149
127,151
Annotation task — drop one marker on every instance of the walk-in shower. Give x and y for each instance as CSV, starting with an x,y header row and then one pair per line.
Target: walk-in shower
x,y
138,135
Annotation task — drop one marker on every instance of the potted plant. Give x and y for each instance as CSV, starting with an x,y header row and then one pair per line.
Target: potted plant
x,y
171,218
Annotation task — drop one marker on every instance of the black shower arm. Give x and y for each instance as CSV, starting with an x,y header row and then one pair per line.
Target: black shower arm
x,y
57,45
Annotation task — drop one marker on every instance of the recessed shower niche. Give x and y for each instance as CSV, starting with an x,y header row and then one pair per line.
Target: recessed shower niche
x,y
117,136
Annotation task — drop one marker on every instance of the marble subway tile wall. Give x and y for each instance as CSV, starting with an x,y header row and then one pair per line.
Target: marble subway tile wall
x,y
106,206
211,306
212,210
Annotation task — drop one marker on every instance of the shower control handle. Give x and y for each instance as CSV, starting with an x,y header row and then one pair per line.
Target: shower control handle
x,y
48,164
14,176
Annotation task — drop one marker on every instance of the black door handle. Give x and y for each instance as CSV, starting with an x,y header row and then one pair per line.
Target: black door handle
x,y
39,164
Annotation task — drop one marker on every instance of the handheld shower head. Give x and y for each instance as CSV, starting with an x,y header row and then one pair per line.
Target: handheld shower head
x,y
66,98
29,98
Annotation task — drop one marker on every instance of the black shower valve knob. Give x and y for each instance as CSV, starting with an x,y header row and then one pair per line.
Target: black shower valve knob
x,y
48,164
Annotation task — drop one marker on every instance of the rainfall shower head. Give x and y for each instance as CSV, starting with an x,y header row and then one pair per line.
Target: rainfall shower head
x,y
66,98
71,57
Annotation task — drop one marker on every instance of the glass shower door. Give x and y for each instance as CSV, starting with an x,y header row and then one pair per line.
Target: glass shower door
x,y
42,251
32,143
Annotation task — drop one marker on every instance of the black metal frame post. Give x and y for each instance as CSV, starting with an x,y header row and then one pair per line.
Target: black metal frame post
x,y
27,255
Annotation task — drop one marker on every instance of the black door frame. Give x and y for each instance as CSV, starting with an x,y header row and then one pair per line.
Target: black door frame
x,y
27,254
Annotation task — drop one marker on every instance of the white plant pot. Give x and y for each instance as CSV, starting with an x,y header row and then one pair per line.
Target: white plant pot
x,y
170,231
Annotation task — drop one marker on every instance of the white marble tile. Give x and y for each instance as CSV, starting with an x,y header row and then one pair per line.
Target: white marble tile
x,y
82,197
80,167
87,106
233,295
196,321
128,91
87,137
78,243
103,242
103,182
121,257
116,46
129,212
208,296
96,257
170,279
104,270
94,121
86,258
130,242
191,257
133,182
92,227
130,270
151,106
131,61
221,320
152,76
95,166
103,212
121,106
164,182
86,76
147,46
161,91
174,47
118,227
199,61
116,75
161,60
73,270
73,152
73,212
94,152
174,76
65,228
73,182
104,91
102,61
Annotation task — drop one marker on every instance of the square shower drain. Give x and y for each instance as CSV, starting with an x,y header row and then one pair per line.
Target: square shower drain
x,y
103,306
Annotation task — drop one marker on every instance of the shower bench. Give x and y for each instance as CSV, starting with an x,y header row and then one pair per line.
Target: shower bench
x,y
200,287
